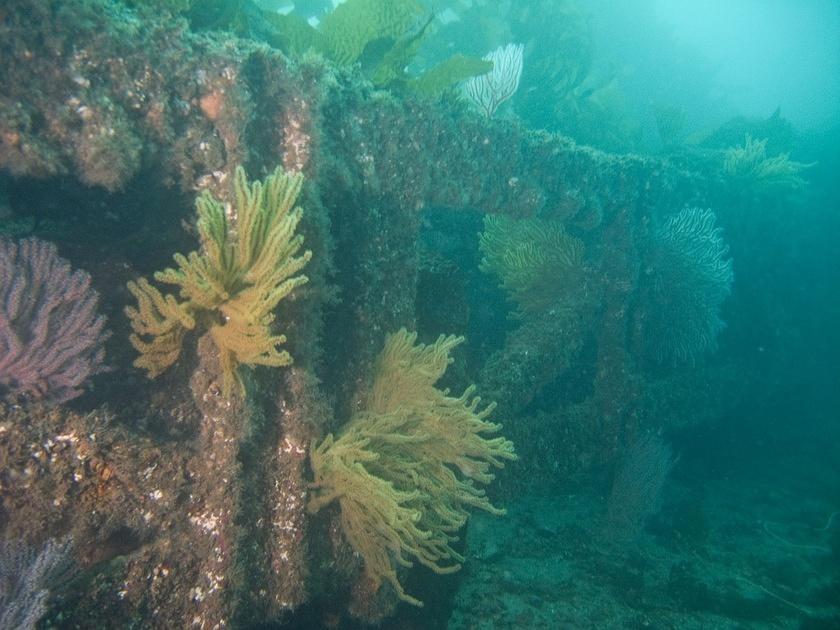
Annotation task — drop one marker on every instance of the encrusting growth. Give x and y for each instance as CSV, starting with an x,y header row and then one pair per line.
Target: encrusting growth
x,y
404,469
232,285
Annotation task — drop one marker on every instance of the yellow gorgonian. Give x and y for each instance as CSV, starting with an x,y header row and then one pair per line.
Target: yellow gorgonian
x,y
406,468
232,285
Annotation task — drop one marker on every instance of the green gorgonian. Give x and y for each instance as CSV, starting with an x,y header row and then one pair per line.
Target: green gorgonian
x,y
689,277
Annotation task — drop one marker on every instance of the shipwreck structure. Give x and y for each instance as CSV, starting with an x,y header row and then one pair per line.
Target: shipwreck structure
x,y
187,499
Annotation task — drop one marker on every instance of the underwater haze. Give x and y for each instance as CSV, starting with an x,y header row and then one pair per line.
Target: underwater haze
x,y
419,314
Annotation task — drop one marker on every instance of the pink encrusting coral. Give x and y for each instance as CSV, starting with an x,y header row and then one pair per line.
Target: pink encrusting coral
x,y
51,339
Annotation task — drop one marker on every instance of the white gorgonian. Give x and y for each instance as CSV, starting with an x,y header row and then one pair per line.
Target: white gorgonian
x,y
490,90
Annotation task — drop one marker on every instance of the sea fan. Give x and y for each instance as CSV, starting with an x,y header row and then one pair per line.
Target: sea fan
x,y
27,575
690,275
51,338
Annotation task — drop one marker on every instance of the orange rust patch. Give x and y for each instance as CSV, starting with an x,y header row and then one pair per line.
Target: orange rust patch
x,y
212,104
11,138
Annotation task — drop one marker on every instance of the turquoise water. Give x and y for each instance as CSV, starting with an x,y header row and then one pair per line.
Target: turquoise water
x,y
419,314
